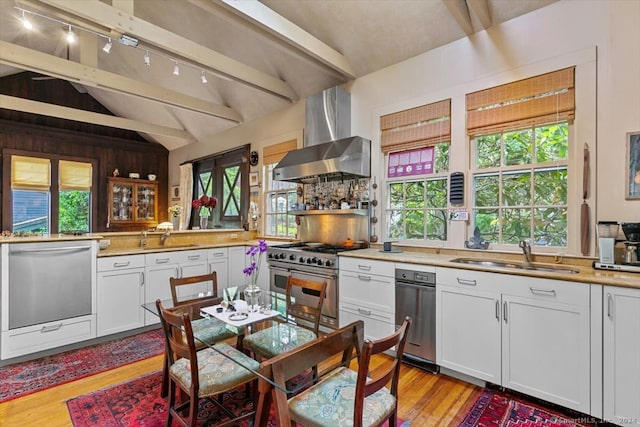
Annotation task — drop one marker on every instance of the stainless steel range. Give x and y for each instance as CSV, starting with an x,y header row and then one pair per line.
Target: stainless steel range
x,y
309,261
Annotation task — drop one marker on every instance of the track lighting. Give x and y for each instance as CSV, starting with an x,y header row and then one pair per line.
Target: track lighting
x,y
203,77
176,69
147,61
71,36
26,23
107,45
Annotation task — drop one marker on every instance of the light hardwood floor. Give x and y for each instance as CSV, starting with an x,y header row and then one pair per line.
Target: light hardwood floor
x,y
425,399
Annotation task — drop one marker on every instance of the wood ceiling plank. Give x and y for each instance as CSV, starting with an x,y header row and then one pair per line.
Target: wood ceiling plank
x,y
100,13
44,109
268,20
459,10
28,59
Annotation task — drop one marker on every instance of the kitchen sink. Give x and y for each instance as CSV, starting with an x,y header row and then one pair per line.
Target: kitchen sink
x,y
533,266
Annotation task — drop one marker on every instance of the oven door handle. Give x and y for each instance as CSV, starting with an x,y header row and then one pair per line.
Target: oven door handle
x,y
307,273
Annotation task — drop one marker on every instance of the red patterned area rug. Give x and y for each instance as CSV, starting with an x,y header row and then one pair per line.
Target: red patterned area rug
x,y
29,377
137,403
494,408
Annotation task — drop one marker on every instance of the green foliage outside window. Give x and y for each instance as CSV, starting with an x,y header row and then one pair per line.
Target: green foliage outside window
x,y
74,211
520,185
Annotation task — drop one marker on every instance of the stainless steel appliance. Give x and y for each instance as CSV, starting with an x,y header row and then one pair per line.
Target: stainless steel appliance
x,y
307,261
49,282
609,259
416,298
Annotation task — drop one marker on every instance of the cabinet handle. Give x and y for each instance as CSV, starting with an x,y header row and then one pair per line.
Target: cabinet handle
x,y
51,328
162,260
179,271
609,306
193,257
364,312
218,254
498,310
504,312
547,292
364,267
121,264
142,278
364,278
466,282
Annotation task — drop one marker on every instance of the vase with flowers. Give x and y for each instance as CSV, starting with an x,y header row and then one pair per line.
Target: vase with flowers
x,y
174,212
204,205
252,292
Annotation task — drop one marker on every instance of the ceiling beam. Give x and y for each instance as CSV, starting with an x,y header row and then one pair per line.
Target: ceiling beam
x,y
33,60
268,20
102,14
459,10
50,110
481,10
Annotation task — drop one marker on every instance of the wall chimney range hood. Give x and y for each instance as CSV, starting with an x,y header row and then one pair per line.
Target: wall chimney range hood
x,y
330,151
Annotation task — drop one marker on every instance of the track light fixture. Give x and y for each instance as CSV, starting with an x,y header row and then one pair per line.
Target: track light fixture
x,y
176,69
203,78
147,60
71,36
107,46
26,23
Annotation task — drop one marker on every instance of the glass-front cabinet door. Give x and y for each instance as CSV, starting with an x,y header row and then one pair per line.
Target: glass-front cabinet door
x,y
132,201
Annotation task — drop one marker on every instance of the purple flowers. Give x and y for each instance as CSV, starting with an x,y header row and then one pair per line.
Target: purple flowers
x,y
255,252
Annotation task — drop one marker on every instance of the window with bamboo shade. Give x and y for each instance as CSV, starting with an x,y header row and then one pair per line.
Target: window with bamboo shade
x,y
280,196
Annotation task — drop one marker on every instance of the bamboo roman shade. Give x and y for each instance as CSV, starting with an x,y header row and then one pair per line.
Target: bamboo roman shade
x,y
416,127
543,99
75,176
30,173
274,153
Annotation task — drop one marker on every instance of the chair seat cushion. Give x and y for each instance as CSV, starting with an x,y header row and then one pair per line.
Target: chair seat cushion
x,y
331,402
210,331
277,339
216,371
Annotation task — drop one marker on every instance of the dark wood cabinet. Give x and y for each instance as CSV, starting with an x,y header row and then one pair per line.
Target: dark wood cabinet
x,y
133,201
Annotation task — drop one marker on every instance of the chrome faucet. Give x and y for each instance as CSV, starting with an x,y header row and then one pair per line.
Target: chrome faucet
x,y
165,236
143,239
526,249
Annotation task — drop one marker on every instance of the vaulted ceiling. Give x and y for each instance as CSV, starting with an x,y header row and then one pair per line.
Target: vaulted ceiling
x,y
256,56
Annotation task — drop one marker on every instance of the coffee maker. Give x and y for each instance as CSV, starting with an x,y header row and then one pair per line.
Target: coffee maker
x,y
607,240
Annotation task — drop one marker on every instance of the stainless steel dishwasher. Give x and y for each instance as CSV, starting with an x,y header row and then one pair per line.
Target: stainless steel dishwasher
x,y
416,298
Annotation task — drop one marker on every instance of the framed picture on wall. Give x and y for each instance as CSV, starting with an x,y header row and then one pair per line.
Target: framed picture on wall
x,y
253,178
633,166
175,193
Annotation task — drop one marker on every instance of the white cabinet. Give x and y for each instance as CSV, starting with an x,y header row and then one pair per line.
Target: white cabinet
x,y
120,294
367,292
236,264
622,355
218,260
159,267
194,263
528,334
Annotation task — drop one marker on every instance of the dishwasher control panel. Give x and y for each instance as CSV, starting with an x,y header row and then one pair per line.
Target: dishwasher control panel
x,y
416,277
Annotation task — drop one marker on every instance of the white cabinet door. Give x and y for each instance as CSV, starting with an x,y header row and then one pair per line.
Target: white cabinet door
x,y
219,262
193,263
157,286
622,355
468,332
236,264
120,295
546,350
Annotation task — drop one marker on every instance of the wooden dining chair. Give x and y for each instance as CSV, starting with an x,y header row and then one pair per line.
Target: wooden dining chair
x,y
206,331
301,326
343,397
200,373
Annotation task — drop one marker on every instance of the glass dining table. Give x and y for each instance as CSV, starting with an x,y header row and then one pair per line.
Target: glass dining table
x,y
239,320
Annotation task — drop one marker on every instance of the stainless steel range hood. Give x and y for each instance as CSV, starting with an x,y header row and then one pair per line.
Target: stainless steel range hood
x,y
330,152
342,159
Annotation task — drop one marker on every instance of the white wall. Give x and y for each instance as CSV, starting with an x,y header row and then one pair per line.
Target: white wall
x,y
562,34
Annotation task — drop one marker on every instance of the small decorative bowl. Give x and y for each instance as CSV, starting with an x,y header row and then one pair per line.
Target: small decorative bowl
x,y
151,177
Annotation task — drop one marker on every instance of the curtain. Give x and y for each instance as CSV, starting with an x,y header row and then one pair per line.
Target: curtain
x,y
186,193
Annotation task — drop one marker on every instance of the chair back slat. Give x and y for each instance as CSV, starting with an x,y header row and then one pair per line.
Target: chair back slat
x,y
305,312
176,282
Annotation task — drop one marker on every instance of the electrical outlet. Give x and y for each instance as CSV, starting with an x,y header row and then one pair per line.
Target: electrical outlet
x,y
234,236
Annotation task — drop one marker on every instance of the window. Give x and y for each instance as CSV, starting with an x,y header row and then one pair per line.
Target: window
x,y
416,143
519,139
280,196
223,176
39,207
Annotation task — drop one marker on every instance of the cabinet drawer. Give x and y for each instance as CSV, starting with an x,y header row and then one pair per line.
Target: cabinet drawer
x,y
376,292
17,342
374,328
120,262
161,258
193,256
369,266
217,253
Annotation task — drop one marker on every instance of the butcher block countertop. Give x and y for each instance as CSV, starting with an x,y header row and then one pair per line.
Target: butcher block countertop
x,y
586,274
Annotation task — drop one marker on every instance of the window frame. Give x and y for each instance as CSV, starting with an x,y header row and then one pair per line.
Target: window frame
x,y
268,180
